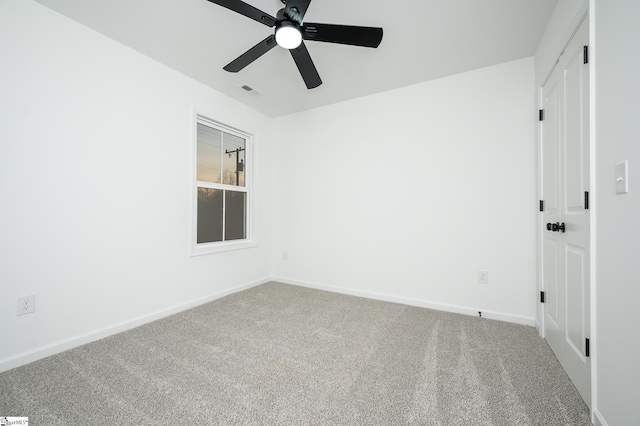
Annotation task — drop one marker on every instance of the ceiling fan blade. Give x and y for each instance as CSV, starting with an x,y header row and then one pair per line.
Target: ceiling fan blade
x,y
295,9
343,34
252,54
247,10
305,65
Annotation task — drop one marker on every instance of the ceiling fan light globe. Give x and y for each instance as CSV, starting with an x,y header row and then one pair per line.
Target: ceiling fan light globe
x,y
288,37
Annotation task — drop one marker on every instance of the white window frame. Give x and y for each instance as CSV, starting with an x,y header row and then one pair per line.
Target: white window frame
x,y
198,249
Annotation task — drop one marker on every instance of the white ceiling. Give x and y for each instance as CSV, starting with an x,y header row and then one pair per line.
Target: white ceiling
x,y
423,40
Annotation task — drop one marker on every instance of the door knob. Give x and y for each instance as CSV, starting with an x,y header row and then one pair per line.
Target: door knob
x,y
556,227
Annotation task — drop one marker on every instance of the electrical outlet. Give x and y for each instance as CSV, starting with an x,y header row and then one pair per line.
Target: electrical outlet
x,y
483,277
27,304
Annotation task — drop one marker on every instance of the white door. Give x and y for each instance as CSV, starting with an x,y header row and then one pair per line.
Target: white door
x,y
566,218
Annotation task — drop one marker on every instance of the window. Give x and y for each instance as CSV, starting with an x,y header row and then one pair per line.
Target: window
x,y
223,191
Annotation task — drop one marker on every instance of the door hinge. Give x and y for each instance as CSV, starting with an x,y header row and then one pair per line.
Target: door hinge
x,y
541,205
585,55
586,200
542,297
541,115
587,349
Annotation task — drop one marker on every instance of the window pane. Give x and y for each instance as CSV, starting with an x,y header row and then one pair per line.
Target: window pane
x,y
236,215
233,166
209,147
209,215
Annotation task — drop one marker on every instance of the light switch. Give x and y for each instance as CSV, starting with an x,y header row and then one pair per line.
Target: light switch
x,y
622,177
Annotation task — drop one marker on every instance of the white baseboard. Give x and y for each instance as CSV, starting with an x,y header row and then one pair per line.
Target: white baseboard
x,y
61,346
517,319
55,348
597,418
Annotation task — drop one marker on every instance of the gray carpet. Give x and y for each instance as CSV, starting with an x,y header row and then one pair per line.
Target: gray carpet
x,y
279,354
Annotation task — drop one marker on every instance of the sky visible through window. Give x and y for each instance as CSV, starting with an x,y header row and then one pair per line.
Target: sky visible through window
x,y
221,157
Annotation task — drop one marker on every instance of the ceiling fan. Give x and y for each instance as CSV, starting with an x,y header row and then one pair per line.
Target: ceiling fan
x,y
290,32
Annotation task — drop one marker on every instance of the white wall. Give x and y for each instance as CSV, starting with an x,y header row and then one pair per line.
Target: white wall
x,y
95,186
405,195
618,231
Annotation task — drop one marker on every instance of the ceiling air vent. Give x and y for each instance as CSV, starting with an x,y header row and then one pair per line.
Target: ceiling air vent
x,y
247,88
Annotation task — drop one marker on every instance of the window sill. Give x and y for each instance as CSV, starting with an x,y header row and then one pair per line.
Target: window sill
x,y
211,248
